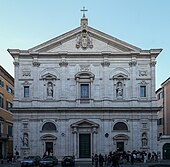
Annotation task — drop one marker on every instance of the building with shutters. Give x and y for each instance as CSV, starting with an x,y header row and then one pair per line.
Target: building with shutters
x,y
6,100
163,97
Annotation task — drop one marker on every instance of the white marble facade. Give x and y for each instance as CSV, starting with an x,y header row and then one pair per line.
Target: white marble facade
x,y
84,92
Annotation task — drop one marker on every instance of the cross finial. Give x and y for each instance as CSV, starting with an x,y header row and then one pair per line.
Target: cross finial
x,y
84,10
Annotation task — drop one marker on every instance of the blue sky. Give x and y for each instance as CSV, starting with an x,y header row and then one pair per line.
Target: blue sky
x,y
142,23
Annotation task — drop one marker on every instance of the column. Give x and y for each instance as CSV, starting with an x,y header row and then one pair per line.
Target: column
x,y
152,65
16,74
75,141
133,87
94,140
63,64
105,64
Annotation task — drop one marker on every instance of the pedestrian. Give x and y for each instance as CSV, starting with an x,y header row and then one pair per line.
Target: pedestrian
x,y
132,159
96,159
92,158
101,160
1,158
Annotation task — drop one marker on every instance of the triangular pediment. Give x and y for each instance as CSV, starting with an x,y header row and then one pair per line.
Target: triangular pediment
x,y
85,124
84,40
48,76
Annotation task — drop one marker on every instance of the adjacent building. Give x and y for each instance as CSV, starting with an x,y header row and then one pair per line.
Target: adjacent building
x,y
6,117
163,97
84,92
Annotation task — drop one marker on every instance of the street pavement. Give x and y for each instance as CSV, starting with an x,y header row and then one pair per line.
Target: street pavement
x,y
88,164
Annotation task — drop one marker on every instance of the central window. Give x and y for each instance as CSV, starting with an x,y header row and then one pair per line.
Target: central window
x,y
84,90
143,91
84,81
26,91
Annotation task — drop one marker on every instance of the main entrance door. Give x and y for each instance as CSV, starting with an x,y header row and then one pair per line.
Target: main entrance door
x,y
120,146
84,145
49,147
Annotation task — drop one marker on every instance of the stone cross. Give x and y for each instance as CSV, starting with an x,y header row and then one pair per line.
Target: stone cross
x,y
84,10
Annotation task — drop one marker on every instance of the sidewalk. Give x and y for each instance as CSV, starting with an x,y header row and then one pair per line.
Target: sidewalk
x,y
147,164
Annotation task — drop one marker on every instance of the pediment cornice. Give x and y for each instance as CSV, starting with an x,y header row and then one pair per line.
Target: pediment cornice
x,y
85,123
94,42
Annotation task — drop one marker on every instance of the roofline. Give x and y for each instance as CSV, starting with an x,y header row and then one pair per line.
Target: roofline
x,y
18,52
165,82
8,75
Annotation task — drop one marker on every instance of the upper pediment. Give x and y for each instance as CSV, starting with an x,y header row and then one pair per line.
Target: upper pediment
x,y
86,40
83,40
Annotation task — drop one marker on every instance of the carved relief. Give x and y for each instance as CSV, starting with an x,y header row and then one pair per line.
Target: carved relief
x,y
84,40
26,73
84,67
142,73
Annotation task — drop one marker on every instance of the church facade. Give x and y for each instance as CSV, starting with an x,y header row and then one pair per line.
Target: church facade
x,y
84,92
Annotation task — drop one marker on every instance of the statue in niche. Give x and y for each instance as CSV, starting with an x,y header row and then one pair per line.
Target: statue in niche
x,y
50,89
119,89
144,139
24,140
144,142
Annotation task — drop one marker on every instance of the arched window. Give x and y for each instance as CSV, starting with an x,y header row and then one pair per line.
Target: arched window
x,y
49,126
120,126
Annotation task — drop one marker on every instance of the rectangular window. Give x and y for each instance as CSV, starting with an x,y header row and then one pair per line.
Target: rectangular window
x,y
1,100
142,91
8,105
10,130
9,90
84,91
1,83
158,97
160,121
1,127
26,91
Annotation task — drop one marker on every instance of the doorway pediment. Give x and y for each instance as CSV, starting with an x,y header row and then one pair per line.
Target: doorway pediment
x,y
85,124
48,137
121,137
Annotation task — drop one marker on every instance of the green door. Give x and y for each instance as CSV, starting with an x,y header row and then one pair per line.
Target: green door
x,y
49,147
84,145
166,151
